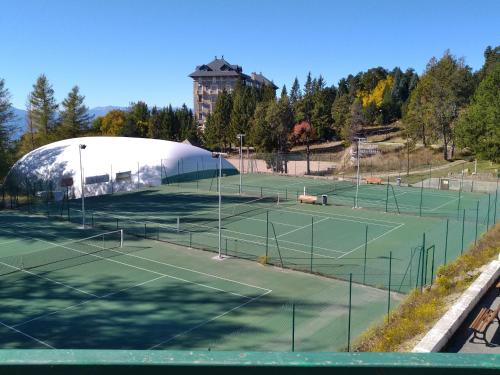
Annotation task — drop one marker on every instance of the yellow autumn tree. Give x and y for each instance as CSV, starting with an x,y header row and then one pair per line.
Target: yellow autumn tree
x,y
113,122
377,94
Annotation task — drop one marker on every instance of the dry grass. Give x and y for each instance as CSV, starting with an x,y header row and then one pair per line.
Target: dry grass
x,y
419,311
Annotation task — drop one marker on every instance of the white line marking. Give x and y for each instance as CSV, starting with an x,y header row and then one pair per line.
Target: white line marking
x,y
143,269
29,336
444,204
47,278
208,321
373,239
86,301
11,241
303,227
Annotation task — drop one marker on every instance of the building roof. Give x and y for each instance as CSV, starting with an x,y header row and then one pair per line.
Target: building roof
x,y
221,68
216,68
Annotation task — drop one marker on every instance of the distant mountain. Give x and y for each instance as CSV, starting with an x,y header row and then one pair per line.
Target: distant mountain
x,y
19,122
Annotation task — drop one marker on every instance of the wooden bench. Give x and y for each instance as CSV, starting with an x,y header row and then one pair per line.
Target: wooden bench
x,y
373,180
482,321
307,199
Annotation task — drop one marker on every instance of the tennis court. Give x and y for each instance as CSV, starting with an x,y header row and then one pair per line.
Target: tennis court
x,y
62,291
377,244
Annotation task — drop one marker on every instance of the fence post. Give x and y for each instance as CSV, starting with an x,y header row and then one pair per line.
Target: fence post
x,y
191,240
424,262
446,241
463,231
432,264
389,287
495,212
312,242
349,319
477,219
387,194
293,327
488,217
366,249
421,197
145,230
267,233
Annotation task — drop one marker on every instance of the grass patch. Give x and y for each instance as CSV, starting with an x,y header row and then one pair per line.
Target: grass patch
x,y
419,311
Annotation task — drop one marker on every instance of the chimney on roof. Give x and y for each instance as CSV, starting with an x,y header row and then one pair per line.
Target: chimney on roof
x,y
215,57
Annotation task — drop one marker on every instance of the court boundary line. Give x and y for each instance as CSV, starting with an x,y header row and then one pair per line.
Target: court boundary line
x,y
373,239
27,335
48,279
144,269
107,295
208,321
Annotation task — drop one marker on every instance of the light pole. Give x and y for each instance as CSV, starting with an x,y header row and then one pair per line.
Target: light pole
x,y
219,155
357,174
80,148
240,137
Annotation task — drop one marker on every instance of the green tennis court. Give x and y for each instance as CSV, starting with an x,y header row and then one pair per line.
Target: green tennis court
x,y
63,287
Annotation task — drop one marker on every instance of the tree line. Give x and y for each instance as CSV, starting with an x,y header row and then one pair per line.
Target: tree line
x,y
448,104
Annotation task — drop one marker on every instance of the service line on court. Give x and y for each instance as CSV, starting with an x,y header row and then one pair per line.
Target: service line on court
x,y
209,321
86,301
140,268
26,335
373,239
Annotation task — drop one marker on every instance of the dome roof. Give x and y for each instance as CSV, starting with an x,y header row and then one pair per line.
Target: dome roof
x,y
123,161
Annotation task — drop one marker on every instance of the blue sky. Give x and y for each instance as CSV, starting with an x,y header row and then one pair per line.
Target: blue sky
x,y
119,51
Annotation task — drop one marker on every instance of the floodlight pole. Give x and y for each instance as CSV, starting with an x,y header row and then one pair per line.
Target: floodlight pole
x,y
357,175
220,204
240,137
80,148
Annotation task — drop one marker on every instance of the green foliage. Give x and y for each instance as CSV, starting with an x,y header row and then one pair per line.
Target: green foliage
x,y
42,109
341,114
435,103
74,117
478,126
6,116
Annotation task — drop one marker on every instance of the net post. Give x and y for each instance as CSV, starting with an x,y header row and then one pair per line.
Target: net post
x,y
117,222
432,263
145,230
349,316
286,194
261,192
477,219
389,287
267,233
178,225
312,243
293,326
446,241
121,238
225,248
190,239
366,249
463,231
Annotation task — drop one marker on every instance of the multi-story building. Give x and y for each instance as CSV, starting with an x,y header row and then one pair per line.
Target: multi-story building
x,y
211,79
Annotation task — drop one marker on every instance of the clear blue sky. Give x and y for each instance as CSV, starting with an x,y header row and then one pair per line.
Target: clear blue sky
x,y
120,51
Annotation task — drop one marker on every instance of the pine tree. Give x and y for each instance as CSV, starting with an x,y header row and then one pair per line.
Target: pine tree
x,y
74,118
295,94
222,118
6,116
42,109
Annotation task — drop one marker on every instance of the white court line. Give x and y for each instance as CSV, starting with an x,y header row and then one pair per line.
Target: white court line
x,y
444,204
29,336
303,227
11,241
47,278
208,321
373,239
141,268
86,301
342,217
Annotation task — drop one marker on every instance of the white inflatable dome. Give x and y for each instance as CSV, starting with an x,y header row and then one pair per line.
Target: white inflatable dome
x,y
110,164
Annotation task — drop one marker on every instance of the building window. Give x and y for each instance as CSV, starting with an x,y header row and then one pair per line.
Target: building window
x,y
199,98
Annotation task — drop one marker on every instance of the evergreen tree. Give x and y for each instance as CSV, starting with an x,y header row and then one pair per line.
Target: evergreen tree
x,y
478,126
42,110
137,123
221,117
6,116
340,114
74,117
295,94
355,122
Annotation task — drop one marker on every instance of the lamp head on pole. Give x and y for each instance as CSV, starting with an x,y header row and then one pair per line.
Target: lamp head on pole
x,y
83,147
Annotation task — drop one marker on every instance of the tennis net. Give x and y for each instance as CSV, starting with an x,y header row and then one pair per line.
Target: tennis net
x,y
333,187
64,255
